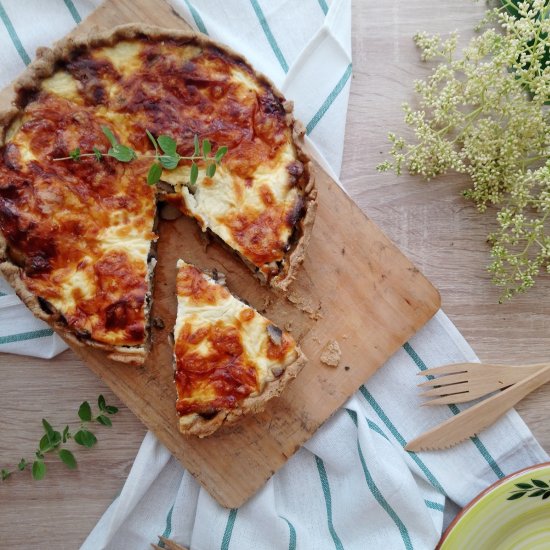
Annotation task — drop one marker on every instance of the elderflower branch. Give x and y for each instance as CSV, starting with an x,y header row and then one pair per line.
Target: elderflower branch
x,y
485,114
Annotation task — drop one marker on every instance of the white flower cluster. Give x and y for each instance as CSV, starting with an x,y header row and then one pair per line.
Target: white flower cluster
x,y
486,114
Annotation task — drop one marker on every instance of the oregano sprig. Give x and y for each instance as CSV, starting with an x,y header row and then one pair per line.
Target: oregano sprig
x,y
165,155
53,440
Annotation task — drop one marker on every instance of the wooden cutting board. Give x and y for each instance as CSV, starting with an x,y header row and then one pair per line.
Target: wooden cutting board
x,y
355,288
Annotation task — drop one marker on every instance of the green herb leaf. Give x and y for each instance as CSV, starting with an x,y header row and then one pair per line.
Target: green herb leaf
x,y
101,403
211,170
167,144
206,148
111,409
48,429
68,458
523,485
153,141
153,176
515,496
105,420
197,151
22,465
85,412
220,153
170,162
122,153
194,174
66,434
85,438
4,474
75,154
38,470
110,136
44,444
539,483
98,154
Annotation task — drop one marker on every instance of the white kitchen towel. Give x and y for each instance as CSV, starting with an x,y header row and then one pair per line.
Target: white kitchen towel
x,y
352,485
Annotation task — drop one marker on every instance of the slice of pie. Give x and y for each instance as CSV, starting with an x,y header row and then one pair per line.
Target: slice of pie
x,y
76,237
229,359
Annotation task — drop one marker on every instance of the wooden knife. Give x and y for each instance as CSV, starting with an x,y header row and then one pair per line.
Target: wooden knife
x,y
478,417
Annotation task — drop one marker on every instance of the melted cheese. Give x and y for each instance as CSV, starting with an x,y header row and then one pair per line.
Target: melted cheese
x,y
205,307
81,231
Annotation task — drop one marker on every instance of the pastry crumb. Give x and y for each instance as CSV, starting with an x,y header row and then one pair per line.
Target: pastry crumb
x,y
331,354
288,326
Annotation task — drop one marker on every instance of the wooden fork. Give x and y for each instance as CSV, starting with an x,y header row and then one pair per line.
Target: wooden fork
x,y
466,381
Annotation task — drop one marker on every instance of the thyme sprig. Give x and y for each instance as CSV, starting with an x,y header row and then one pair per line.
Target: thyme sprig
x,y
52,441
165,155
485,114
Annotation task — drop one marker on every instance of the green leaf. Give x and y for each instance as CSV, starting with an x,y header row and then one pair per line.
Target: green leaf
x,y
48,428
112,139
524,485
22,464
539,483
105,420
546,495
101,403
220,153
515,496
206,148
75,154
122,153
197,151
153,176
167,144
85,412
170,162
194,174
68,458
4,474
38,470
44,445
85,438
153,141
39,454
537,493
66,434
211,170
98,154
111,409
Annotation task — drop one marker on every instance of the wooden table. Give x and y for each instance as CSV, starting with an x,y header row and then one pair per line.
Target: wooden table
x,y
432,224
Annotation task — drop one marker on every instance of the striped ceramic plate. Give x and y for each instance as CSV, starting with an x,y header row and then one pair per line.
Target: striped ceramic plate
x,y
514,513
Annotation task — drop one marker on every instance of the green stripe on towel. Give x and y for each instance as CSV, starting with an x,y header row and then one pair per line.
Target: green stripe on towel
x,y
196,17
324,6
26,336
328,502
74,12
379,496
393,430
269,35
434,505
292,535
168,528
455,410
329,100
13,35
229,528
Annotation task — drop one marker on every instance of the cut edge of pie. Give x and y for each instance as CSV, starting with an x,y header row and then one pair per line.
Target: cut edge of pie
x,y
43,67
218,341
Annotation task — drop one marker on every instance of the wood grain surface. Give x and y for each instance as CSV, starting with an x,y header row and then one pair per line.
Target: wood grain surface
x,y
431,223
